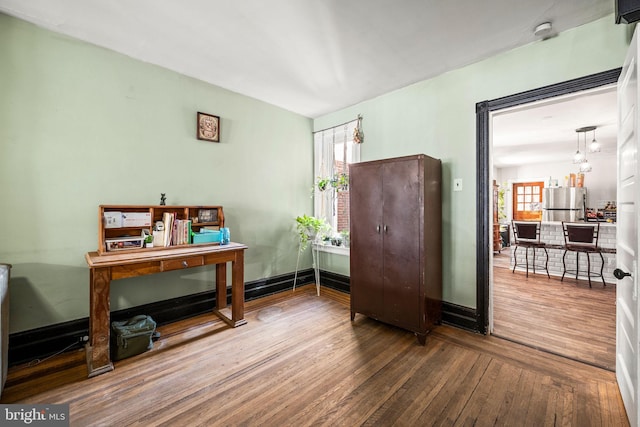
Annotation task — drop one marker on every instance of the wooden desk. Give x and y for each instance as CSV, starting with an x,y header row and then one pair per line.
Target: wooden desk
x,y
108,267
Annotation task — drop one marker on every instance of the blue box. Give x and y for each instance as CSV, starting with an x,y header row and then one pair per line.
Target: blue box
x,y
206,236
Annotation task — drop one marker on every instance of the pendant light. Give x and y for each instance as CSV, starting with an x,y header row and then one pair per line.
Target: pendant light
x,y
585,166
594,147
578,157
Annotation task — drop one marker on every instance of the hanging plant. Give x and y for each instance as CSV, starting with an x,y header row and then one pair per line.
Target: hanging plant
x,y
340,182
322,183
343,182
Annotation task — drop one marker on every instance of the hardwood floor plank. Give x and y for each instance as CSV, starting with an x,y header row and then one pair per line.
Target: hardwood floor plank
x,y
408,402
354,383
500,394
301,361
451,394
524,386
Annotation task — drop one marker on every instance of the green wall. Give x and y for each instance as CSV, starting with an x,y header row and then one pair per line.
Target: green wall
x,y
437,117
82,126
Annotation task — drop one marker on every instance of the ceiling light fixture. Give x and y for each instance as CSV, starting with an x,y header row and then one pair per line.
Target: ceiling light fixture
x,y
585,166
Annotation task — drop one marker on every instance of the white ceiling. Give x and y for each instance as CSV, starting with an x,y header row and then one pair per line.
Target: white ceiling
x,y
309,57
545,131
316,57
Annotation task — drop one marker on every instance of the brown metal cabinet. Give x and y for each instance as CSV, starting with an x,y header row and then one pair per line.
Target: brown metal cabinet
x,y
396,242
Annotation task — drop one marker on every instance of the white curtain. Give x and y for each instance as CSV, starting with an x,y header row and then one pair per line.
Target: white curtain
x,y
334,148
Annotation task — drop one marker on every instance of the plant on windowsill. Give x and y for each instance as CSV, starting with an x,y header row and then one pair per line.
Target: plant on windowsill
x,y
345,238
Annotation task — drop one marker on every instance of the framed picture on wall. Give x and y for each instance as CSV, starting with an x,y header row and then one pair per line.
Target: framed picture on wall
x,y
208,127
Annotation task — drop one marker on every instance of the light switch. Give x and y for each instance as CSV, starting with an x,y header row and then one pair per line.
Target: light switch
x,y
457,184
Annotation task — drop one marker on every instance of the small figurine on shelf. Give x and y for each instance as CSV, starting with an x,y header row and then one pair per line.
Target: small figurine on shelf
x,y
163,199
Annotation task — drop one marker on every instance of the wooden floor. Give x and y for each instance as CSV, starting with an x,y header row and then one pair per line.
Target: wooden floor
x,y
567,318
300,361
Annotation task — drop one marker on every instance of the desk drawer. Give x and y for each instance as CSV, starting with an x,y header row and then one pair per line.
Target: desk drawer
x,y
181,263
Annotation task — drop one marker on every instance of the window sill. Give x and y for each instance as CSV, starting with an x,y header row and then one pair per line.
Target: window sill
x,y
340,250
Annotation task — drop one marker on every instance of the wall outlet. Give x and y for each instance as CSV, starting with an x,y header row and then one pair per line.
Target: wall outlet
x,y
457,184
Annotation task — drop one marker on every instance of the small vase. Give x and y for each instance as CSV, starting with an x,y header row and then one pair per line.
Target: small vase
x,y
225,236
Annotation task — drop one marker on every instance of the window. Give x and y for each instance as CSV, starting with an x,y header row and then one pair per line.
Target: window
x,y
334,149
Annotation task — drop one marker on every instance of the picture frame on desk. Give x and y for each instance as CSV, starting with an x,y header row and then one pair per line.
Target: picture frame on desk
x,y
208,128
207,215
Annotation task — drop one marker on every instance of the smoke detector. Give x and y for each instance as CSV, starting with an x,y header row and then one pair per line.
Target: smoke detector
x,y
543,30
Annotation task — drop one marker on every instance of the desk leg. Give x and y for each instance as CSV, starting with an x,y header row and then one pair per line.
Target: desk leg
x,y
237,291
97,350
221,285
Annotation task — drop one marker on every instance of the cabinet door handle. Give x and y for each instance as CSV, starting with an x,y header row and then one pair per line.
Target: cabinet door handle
x,y
378,228
385,228
185,264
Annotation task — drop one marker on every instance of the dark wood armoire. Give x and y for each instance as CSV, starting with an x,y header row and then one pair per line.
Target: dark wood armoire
x,y
396,242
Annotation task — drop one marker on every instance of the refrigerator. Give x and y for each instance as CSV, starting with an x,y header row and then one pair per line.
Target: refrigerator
x,y
564,204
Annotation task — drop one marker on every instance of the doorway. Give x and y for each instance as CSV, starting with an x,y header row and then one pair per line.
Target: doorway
x,y
525,201
567,317
485,275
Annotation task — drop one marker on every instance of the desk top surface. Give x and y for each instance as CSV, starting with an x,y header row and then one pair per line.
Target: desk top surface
x,y
156,254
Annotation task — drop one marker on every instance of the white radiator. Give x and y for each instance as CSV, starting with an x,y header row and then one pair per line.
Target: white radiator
x,y
5,272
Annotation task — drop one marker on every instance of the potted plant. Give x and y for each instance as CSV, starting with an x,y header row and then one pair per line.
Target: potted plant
x,y
337,182
501,200
148,239
322,183
340,182
308,227
345,238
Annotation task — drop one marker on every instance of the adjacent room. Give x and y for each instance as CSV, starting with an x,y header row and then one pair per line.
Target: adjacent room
x,y
302,213
534,146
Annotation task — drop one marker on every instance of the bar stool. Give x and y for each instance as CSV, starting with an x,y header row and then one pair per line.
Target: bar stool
x,y
527,235
582,238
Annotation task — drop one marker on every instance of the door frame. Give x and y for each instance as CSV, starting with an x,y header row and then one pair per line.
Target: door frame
x,y
484,224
